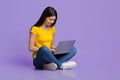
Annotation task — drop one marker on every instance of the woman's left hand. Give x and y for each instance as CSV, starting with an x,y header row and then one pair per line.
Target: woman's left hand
x,y
53,47
52,50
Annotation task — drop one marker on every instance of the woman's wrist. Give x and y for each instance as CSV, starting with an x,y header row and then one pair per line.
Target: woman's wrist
x,y
53,46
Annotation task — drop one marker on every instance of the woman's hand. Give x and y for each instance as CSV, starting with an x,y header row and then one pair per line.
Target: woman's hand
x,y
52,50
53,47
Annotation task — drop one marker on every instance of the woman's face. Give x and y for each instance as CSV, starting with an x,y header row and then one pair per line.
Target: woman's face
x,y
50,20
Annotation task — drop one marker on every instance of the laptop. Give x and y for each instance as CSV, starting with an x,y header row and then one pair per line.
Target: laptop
x,y
64,47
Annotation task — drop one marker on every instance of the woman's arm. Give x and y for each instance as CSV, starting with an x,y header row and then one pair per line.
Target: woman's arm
x,y
31,45
52,45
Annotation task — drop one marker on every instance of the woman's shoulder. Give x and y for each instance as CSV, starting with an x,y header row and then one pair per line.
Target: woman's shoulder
x,y
53,28
34,29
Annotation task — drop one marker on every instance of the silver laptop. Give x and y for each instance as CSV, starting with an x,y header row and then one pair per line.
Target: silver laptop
x,y
64,47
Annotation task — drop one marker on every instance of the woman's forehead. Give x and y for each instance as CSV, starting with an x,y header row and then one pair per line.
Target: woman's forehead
x,y
52,17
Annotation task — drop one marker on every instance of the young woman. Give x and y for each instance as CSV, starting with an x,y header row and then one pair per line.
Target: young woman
x,y
41,43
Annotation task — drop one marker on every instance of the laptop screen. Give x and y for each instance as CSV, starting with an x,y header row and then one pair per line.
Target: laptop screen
x,y
64,46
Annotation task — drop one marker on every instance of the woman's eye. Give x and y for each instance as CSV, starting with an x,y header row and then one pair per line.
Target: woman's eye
x,y
51,19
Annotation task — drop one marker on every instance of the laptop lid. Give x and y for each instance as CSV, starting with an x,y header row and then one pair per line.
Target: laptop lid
x,y
64,47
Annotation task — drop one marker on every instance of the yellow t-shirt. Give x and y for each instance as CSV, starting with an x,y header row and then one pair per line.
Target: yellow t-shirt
x,y
43,37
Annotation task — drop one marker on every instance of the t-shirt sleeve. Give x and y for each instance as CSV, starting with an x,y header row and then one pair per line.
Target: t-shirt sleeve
x,y
53,29
33,30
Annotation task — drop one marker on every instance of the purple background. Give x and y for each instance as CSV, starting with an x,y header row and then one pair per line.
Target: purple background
x,y
95,24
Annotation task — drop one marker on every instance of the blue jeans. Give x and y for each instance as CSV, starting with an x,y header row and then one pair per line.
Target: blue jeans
x,y
44,55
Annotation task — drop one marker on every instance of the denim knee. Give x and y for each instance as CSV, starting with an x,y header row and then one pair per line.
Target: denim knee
x,y
73,51
44,48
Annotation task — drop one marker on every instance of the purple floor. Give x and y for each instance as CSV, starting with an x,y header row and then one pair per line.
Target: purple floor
x,y
21,68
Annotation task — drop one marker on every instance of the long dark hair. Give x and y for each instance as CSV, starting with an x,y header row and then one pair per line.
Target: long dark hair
x,y
49,11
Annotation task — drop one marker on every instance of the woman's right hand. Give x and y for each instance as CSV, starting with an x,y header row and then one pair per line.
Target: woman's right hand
x,y
52,50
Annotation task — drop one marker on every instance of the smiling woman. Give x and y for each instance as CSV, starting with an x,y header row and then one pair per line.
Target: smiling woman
x,y
41,43
49,21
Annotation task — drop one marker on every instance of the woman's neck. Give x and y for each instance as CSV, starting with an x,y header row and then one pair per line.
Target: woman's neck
x,y
45,27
